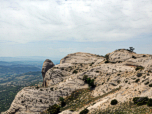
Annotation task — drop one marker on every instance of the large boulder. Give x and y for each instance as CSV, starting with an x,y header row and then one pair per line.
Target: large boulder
x,y
46,66
81,57
120,55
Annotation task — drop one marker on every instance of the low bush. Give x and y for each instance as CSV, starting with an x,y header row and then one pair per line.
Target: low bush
x,y
149,103
85,78
91,63
54,109
51,89
85,111
63,104
97,71
37,87
146,83
61,99
90,82
135,99
144,55
150,85
139,74
139,68
106,61
114,102
72,110
137,80
41,100
75,72
142,101
134,57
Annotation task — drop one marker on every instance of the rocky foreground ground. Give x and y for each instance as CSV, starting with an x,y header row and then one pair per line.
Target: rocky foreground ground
x,y
60,81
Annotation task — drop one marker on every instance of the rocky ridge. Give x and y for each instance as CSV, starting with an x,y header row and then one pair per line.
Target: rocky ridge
x,y
61,81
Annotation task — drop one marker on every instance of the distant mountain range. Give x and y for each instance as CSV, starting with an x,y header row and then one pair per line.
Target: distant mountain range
x,y
28,58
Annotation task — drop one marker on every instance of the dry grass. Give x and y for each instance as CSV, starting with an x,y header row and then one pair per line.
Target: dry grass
x,y
81,98
125,108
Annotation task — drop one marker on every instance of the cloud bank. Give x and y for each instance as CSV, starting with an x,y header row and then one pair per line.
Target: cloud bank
x,y
74,20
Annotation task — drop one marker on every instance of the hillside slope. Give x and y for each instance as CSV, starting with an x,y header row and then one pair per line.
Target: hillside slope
x,y
121,71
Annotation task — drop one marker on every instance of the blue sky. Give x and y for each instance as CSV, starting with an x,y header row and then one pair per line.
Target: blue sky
x,y
55,28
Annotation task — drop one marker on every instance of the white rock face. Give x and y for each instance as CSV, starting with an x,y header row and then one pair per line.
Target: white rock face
x,y
80,57
46,66
61,81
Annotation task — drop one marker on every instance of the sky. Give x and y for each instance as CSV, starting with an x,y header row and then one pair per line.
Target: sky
x,y
56,28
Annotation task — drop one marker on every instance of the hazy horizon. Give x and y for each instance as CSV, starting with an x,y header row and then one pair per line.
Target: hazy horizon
x,y
56,28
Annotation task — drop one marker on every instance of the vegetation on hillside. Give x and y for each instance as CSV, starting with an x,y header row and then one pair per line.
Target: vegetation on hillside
x,y
9,91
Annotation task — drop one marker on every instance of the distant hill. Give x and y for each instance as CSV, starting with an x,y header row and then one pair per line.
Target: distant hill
x,y
9,87
27,58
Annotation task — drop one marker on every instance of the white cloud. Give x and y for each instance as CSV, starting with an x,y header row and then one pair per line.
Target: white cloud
x,y
98,20
68,50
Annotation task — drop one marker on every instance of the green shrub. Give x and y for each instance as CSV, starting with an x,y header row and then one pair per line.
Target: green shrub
x,y
85,78
135,99
149,103
54,109
150,85
41,100
41,89
106,61
72,110
37,87
114,102
92,83
134,57
146,83
91,63
97,71
88,80
137,80
62,102
144,55
142,101
139,68
107,57
51,89
61,99
85,111
139,74
75,72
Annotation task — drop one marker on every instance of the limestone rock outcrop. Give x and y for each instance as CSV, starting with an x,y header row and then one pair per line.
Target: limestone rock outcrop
x,y
46,66
62,79
80,57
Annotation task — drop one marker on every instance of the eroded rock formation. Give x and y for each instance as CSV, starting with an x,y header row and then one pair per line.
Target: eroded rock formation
x,y
46,66
60,80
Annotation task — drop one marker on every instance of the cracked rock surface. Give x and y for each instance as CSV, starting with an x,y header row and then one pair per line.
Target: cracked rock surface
x,y
61,81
